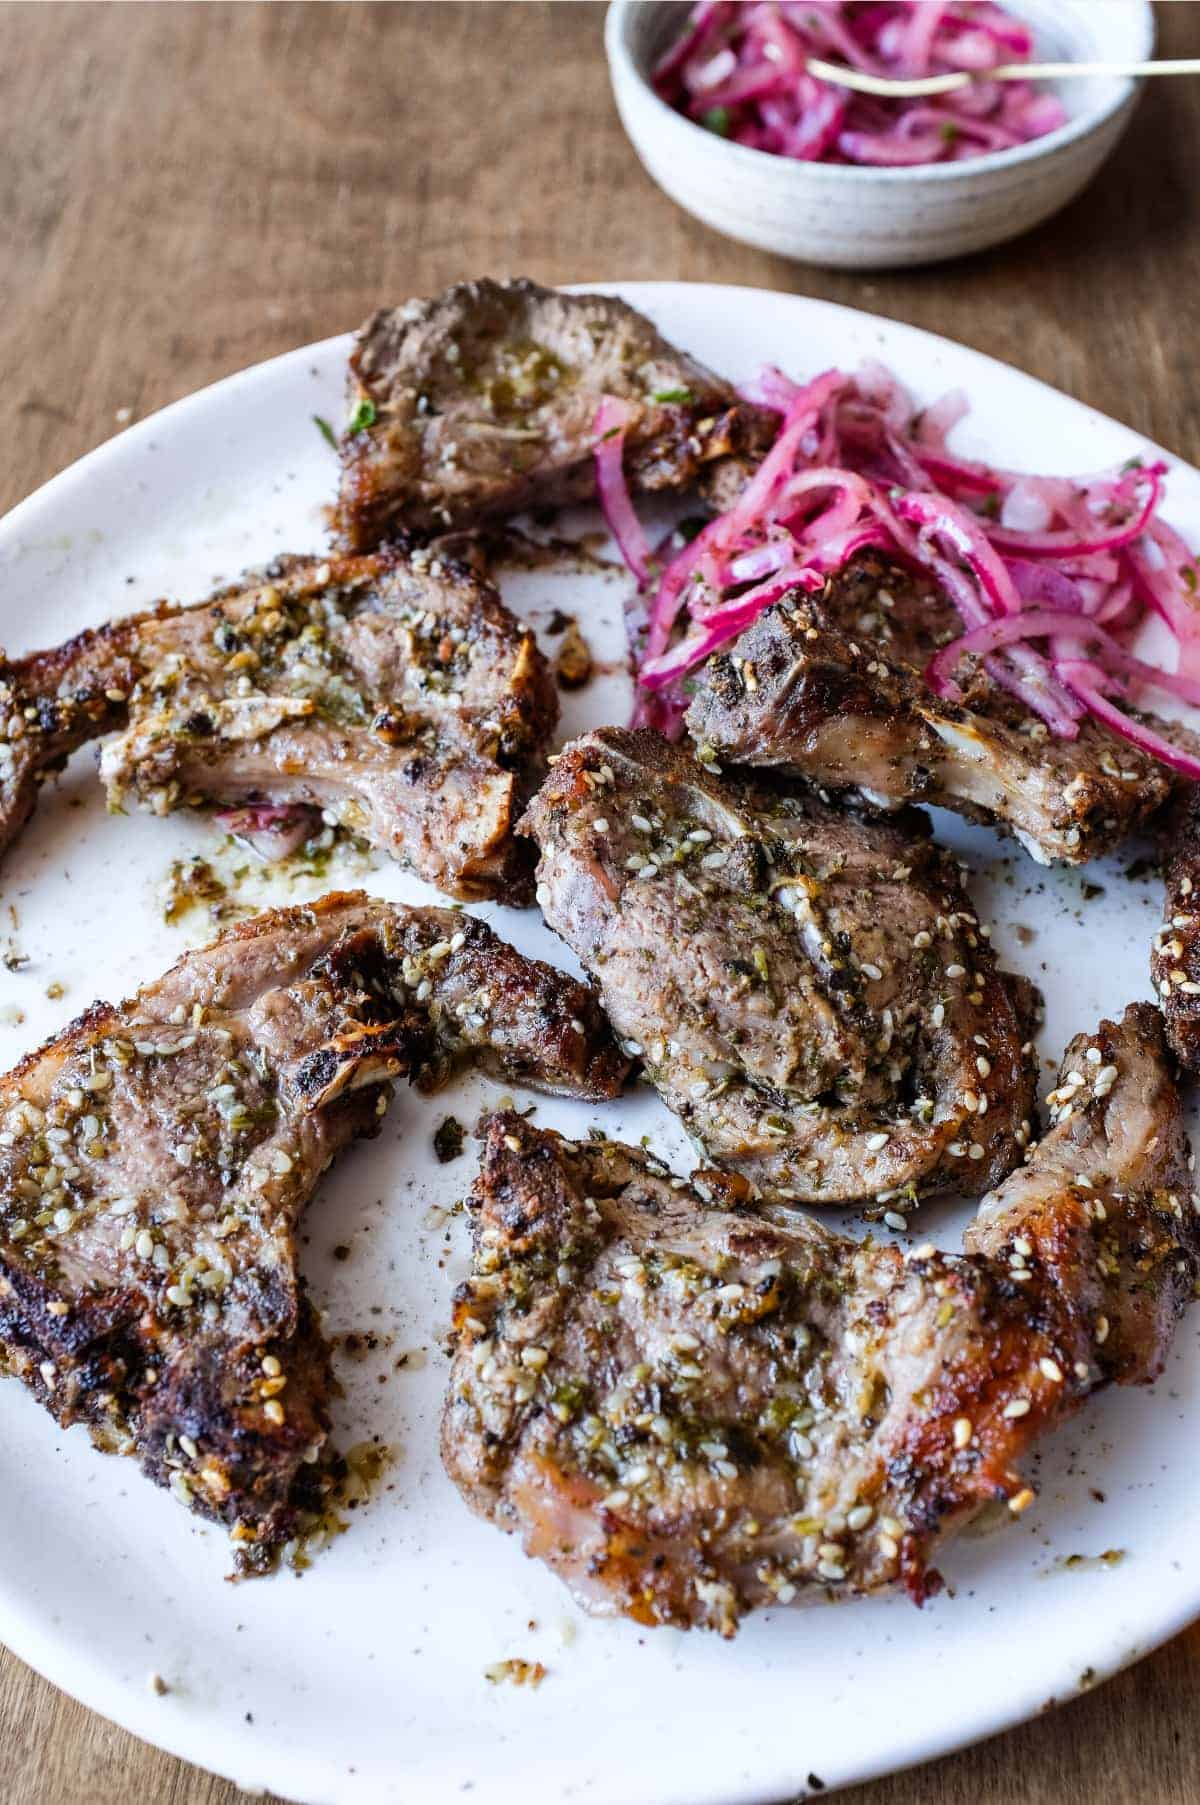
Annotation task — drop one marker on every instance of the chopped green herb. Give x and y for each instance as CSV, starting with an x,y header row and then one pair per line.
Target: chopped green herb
x,y
1188,573
448,1139
717,120
1133,463
671,395
688,529
326,431
949,132
363,416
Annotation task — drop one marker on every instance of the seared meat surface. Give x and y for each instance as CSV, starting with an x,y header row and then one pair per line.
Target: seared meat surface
x,y
1175,958
810,992
482,402
395,693
829,687
51,703
155,1157
689,1411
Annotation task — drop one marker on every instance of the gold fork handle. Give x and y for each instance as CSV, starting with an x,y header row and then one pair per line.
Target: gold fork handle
x,y
951,83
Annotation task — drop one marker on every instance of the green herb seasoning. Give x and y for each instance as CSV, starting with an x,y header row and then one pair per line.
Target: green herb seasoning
x,y
448,1139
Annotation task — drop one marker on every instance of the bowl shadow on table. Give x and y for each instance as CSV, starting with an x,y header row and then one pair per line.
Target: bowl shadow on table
x,y
1133,209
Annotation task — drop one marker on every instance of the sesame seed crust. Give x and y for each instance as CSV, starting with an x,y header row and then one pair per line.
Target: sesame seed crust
x,y
810,991
725,1407
1175,953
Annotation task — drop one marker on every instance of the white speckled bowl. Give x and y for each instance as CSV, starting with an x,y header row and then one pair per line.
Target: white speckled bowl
x,y
859,218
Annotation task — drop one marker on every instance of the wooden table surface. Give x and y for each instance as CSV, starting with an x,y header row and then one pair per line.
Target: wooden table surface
x,y
186,189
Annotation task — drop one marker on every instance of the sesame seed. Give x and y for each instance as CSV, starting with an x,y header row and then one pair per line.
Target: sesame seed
x,y
273,1411
271,1366
1050,1369
1101,1330
1018,1407
963,1431
536,1357
983,1066
975,1151
859,1517
876,1142
1021,1501
895,1220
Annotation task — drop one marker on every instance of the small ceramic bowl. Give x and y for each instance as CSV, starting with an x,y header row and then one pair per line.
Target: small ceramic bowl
x,y
850,217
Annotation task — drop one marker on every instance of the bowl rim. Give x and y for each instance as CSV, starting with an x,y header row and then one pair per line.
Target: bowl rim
x,y
622,64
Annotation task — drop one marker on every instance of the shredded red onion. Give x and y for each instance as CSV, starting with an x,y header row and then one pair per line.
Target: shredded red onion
x,y
612,417
1088,683
741,69
1040,569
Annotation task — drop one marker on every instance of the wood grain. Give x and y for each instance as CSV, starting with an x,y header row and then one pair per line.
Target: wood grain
x,y
186,189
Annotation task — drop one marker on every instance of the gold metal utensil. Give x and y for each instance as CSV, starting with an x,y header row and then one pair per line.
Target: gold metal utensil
x,y
953,81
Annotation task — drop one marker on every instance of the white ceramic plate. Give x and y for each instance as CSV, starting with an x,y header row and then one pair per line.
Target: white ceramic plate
x,y
363,1681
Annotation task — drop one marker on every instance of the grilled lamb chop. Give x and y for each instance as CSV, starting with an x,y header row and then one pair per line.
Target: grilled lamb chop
x,y
1175,959
394,692
482,402
811,993
689,1411
830,688
155,1156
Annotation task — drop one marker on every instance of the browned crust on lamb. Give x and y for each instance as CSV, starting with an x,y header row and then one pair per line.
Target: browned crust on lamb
x,y
830,687
690,1412
482,403
1175,955
395,693
157,1154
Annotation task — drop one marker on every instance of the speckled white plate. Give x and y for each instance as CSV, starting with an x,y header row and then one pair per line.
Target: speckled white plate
x,y
363,1681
